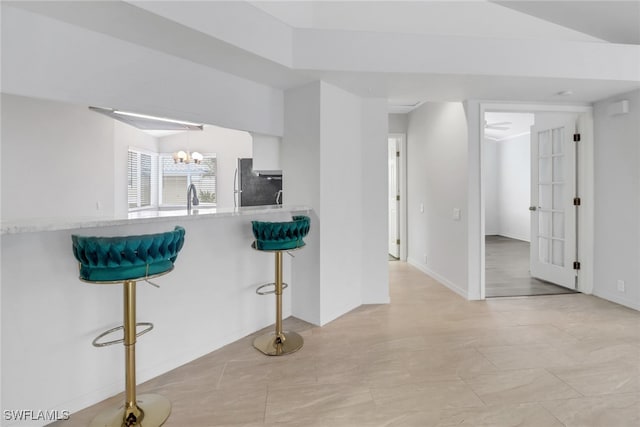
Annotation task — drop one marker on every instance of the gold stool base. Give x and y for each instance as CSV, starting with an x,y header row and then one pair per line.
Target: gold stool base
x,y
272,345
156,410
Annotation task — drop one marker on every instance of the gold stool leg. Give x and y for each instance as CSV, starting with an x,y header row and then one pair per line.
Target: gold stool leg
x,y
148,410
281,342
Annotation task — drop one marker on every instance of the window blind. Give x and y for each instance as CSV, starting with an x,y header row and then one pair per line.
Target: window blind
x,y
139,179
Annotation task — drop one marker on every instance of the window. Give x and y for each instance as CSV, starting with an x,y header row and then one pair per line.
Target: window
x,y
156,180
139,179
176,177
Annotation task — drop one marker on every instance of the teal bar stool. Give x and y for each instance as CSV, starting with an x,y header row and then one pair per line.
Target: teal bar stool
x,y
279,237
126,259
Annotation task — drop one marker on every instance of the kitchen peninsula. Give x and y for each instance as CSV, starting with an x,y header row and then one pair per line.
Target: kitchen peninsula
x,y
208,301
143,216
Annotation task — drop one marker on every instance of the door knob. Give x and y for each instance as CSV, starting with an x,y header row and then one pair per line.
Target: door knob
x,y
532,208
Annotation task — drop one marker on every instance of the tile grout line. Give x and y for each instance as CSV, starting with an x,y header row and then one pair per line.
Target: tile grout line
x,y
551,413
224,368
564,382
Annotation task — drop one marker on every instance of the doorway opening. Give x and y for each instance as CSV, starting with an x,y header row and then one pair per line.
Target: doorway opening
x,y
396,198
529,181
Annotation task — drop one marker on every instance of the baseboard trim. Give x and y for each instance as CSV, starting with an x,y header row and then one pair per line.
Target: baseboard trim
x,y
616,299
515,236
441,279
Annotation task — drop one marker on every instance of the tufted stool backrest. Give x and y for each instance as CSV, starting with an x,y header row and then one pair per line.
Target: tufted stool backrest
x,y
281,235
113,259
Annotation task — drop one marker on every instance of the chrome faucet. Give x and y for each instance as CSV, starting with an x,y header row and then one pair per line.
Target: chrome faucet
x,y
192,189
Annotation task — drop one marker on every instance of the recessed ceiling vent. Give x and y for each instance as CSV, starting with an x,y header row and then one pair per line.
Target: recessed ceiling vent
x,y
146,122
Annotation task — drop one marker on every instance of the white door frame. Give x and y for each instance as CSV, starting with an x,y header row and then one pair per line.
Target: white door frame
x,y
476,178
393,184
402,178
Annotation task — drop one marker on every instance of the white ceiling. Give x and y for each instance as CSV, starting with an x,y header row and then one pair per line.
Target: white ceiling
x,y
188,30
507,125
613,21
586,21
456,18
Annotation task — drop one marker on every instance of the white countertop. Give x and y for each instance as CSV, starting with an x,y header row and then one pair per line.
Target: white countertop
x,y
30,225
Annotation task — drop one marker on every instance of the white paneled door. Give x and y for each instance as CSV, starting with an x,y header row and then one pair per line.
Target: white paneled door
x,y
394,193
553,188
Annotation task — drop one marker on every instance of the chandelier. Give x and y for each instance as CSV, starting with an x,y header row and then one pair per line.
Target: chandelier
x,y
187,157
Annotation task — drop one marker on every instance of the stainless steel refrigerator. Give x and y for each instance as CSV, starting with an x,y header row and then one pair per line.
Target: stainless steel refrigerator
x,y
253,188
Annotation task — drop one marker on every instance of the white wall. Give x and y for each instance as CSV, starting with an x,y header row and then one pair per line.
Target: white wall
x,y
46,58
491,190
335,142
398,123
507,170
507,187
227,144
57,160
514,186
374,201
437,173
301,159
342,212
617,201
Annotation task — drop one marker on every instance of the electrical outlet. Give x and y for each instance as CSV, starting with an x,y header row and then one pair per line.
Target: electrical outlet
x,y
421,207
456,214
620,285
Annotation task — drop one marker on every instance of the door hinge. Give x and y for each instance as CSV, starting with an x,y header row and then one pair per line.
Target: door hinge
x,y
397,154
576,265
576,201
576,137
397,241
397,197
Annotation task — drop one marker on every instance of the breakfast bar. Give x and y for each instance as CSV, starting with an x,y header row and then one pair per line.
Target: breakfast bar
x,y
208,301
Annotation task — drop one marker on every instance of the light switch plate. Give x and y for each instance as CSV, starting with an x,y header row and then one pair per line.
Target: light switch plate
x,y
456,214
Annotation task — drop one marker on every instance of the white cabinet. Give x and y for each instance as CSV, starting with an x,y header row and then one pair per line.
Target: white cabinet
x,y
266,152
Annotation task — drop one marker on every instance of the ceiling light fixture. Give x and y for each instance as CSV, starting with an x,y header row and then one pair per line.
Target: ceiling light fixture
x,y
158,119
187,156
147,122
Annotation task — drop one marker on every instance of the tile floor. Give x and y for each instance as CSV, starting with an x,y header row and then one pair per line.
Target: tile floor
x,y
430,358
507,270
